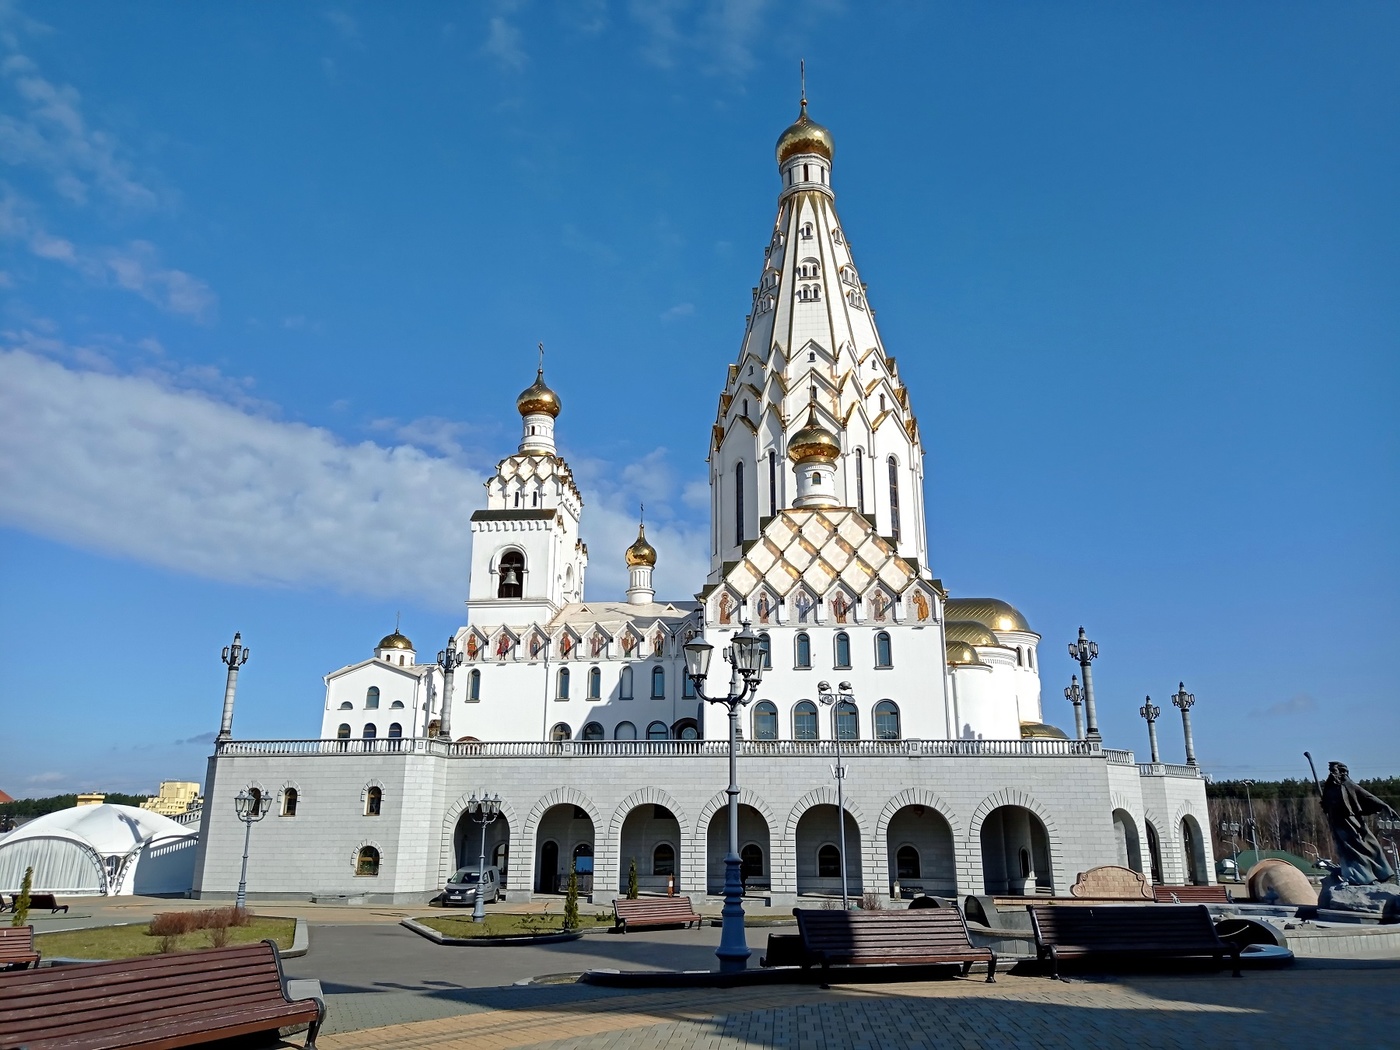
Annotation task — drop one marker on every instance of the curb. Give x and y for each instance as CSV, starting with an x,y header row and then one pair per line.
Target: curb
x,y
301,941
766,976
488,942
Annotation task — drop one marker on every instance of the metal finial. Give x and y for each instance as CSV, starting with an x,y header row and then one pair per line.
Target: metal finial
x,y
541,358
641,513
802,72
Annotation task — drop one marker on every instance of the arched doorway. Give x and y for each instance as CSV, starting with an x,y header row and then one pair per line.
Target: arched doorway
x,y
466,843
819,857
1154,852
757,870
1015,853
920,846
1125,833
650,837
565,835
1193,852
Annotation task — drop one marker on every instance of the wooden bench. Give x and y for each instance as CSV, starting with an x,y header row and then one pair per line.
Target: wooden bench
x,y
877,938
1191,894
653,911
17,947
156,1002
36,901
1125,932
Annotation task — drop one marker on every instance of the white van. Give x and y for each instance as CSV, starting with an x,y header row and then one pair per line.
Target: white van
x,y
466,883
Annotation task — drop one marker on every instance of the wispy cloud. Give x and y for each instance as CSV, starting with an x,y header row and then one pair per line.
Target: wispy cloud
x,y
504,42
718,36
1300,704
202,738
678,311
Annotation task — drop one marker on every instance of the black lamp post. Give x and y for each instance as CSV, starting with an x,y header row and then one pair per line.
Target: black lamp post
x,y
250,809
1086,652
449,660
484,811
745,656
837,700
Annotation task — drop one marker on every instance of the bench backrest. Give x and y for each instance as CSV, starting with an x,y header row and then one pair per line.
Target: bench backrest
x,y
1191,894
934,929
16,941
42,900
650,906
80,1002
1125,927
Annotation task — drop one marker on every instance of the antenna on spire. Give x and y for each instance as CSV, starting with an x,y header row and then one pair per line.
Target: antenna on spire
x,y
802,72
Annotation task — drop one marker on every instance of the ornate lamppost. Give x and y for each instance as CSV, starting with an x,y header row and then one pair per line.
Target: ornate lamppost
x,y
484,811
449,660
235,656
250,809
1076,696
1086,652
1184,700
745,656
836,701
1150,711
1253,827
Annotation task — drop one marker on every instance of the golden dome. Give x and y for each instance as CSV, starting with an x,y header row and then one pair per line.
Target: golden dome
x,y
992,613
813,441
395,641
538,398
641,552
969,632
1041,731
960,654
805,136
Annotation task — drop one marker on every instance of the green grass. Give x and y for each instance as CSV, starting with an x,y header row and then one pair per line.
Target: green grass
x,y
503,925
126,942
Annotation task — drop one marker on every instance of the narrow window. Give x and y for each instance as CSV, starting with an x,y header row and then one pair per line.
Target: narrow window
x,y
595,683
860,481
751,861
804,172
624,688
474,686
765,647
882,650
847,722
906,863
395,730
625,731
663,859
658,731
371,731
374,802
804,721
563,690
828,862
367,863
886,720
512,575
772,482
894,499
289,802
804,650
739,502
372,698
593,731
257,795
843,649
687,687
658,683
560,732
765,721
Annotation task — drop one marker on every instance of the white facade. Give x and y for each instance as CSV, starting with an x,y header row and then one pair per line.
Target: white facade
x,y
578,712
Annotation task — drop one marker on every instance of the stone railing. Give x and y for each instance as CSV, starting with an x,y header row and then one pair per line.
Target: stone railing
x,y
1119,758
1168,769
1036,748
190,816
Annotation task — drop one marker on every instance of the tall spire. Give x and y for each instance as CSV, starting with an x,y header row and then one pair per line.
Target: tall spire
x,y
539,406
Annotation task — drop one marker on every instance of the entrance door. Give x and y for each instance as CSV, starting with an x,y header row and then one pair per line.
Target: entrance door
x,y
549,867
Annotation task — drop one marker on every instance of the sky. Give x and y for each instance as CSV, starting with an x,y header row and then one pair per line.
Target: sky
x,y
272,275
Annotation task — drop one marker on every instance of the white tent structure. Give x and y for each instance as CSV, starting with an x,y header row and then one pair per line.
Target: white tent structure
x,y
100,850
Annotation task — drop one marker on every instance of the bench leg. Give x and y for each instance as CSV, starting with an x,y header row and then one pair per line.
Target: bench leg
x,y
1054,965
992,969
311,1034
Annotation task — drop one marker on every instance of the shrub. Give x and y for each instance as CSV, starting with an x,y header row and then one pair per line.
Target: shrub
x,y
571,920
218,936
632,892
21,916
872,902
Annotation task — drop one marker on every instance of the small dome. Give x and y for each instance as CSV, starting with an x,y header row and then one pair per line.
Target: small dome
x,y
805,136
641,552
970,632
395,641
813,441
1041,731
992,613
960,654
537,397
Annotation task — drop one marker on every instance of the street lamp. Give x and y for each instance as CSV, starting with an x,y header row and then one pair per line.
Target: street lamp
x,y
1252,827
484,811
1232,828
745,657
1086,652
1150,711
1390,826
449,660
836,701
235,656
250,807
1076,696
1184,700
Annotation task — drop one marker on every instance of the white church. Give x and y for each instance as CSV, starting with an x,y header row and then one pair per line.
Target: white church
x,y
578,714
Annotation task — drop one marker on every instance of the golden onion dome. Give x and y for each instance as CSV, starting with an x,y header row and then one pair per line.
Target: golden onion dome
x,y
805,135
641,552
1041,731
813,441
970,632
395,641
960,654
537,398
992,613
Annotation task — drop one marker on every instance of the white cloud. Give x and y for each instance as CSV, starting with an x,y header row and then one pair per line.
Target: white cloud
x,y
718,36
503,43
678,311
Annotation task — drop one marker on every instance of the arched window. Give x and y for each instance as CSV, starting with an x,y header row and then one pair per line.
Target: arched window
x,y
765,721
511,573
765,647
843,649
625,731
624,687
739,502
1020,657
894,499
658,683
772,481
342,732
371,731
595,683
860,481
346,705
372,698
592,731
395,730
804,721
804,650
663,859
397,705
474,686
751,861
658,731
882,650
560,732
367,863
886,720
828,862
289,802
374,802
906,863
563,679
847,722
257,796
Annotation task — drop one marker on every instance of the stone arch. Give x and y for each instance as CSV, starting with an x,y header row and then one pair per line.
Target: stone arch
x,y
917,797
564,796
721,801
1016,797
1204,858
644,796
379,851
823,796
447,863
373,782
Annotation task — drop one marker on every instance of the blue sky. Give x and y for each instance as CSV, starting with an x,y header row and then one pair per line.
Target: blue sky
x,y
272,275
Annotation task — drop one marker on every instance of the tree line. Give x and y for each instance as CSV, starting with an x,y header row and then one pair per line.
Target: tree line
x,y
37,807
1287,815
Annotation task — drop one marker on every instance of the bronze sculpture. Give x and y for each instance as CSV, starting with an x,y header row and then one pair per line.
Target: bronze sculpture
x,y
1360,859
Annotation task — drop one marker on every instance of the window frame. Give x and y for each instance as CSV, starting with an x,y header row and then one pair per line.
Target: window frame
x,y
884,650
769,711
802,651
805,709
887,707
841,646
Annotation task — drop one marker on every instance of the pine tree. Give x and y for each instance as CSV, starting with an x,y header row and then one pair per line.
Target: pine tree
x,y
632,892
21,917
571,920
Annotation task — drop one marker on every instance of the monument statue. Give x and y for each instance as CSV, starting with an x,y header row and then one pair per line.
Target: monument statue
x,y
1360,859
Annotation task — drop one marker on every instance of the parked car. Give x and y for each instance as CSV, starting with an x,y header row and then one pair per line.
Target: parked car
x,y
466,883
